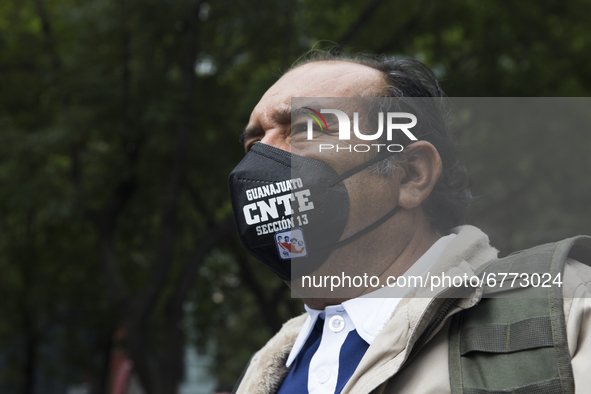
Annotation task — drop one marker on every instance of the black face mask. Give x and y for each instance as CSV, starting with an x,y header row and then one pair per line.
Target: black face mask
x,y
290,210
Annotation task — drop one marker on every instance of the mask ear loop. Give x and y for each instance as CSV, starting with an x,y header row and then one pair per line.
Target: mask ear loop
x,y
372,226
364,231
358,168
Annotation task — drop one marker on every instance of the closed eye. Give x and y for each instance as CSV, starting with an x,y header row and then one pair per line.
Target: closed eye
x,y
249,137
303,128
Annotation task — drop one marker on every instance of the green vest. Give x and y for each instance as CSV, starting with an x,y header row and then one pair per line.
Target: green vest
x,y
516,342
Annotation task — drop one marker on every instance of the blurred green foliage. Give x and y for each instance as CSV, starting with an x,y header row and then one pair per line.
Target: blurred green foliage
x,y
94,94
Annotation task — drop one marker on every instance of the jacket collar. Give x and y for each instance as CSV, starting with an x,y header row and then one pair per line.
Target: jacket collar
x,y
389,350
392,346
370,313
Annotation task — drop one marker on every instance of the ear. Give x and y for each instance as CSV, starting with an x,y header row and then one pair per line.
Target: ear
x,y
421,172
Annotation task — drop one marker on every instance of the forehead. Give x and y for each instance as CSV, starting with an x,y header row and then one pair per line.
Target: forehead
x,y
323,79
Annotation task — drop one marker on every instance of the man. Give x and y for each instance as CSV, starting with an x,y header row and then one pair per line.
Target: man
x,y
405,213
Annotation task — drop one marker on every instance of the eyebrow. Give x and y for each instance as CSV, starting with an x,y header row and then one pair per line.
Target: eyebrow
x,y
249,132
282,116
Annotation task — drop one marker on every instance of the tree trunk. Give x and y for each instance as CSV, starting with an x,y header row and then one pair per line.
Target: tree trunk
x,y
27,384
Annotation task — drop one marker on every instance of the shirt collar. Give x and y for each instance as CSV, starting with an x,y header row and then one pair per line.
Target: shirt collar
x,y
371,312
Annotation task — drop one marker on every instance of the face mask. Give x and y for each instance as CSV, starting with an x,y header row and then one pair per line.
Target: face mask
x,y
291,210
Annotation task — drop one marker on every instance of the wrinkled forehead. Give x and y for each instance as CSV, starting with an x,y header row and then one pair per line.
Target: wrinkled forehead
x,y
325,79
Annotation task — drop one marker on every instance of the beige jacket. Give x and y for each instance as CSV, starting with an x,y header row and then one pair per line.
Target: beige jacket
x,y
379,370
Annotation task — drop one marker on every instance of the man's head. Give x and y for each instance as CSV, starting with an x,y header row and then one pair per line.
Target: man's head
x,y
326,75
395,210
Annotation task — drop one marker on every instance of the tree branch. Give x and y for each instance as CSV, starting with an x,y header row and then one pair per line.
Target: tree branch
x,y
268,308
116,287
177,176
56,61
361,21
105,224
49,37
173,360
220,233
125,59
411,23
200,205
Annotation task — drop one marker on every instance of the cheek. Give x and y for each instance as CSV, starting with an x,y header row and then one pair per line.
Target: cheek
x,y
371,196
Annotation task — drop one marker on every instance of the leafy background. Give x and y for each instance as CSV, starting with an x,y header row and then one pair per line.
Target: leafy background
x,y
119,124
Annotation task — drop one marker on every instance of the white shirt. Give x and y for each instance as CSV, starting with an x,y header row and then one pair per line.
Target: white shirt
x,y
367,314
